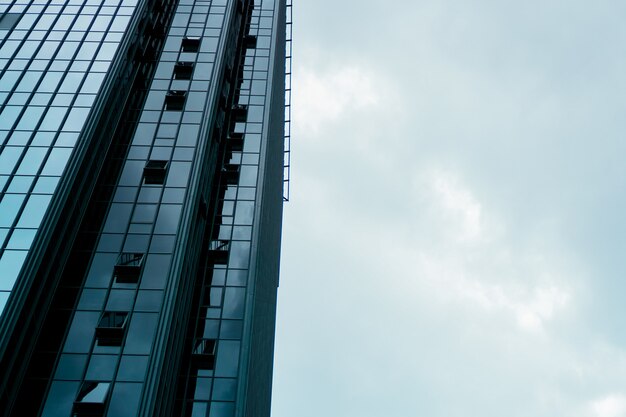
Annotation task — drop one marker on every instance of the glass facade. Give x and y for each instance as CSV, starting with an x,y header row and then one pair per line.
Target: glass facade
x,y
173,311
54,58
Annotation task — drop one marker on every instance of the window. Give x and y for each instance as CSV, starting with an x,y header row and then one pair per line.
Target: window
x,y
235,142
91,399
203,355
190,44
218,251
110,330
9,20
239,113
128,268
175,100
230,173
249,41
183,70
154,172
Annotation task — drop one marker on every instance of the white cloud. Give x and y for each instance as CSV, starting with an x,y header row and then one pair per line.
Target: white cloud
x,y
323,97
464,255
459,204
612,405
528,305
540,306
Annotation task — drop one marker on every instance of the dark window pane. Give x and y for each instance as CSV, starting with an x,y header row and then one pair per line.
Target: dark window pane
x,y
183,70
132,368
71,367
155,272
190,44
91,299
101,270
175,100
120,300
60,399
81,332
234,299
141,333
227,358
222,409
149,300
154,172
202,390
167,219
9,20
224,389
101,367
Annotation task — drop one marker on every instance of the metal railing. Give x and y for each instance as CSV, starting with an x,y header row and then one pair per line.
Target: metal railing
x,y
287,142
222,245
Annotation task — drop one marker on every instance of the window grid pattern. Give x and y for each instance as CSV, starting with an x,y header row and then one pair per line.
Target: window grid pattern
x,y
142,218
288,68
52,65
214,391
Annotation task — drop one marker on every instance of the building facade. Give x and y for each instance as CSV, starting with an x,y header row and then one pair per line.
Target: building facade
x,y
141,179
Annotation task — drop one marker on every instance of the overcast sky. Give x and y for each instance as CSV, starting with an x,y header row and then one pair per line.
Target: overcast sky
x,y
455,243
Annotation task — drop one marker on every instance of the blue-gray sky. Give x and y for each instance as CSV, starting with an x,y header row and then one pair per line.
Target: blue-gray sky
x,y
455,244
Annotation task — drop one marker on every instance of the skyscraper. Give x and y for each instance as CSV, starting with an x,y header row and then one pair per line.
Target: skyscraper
x,y
142,183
